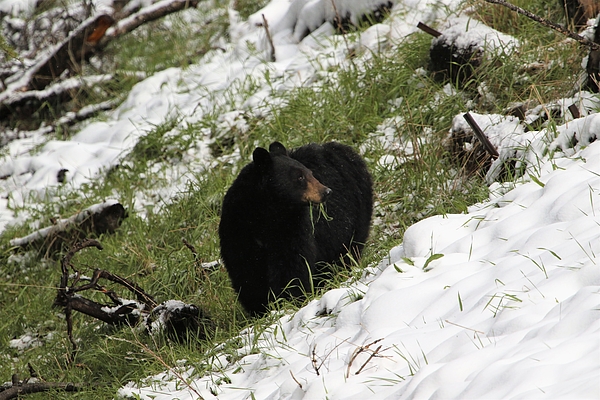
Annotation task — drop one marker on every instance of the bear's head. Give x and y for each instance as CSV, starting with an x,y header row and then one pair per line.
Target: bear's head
x,y
286,179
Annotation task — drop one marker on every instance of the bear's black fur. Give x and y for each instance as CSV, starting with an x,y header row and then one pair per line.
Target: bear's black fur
x,y
275,241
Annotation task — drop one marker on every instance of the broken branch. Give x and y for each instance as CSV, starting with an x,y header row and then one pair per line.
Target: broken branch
x,y
487,145
373,354
546,23
428,29
269,38
145,15
28,388
98,219
574,111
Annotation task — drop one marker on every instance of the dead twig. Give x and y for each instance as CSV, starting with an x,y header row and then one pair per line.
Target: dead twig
x,y
269,39
487,145
546,23
373,354
363,349
428,29
324,358
295,380
313,360
338,23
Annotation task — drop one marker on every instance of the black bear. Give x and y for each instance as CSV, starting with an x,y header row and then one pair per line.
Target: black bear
x,y
288,216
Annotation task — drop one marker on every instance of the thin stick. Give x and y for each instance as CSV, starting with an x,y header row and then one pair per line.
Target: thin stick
x,y
295,380
337,21
373,354
269,38
549,24
487,145
428,29
355,354
313,360
68,317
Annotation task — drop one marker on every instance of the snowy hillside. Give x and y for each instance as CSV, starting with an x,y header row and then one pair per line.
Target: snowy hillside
x,y
500,302
509,307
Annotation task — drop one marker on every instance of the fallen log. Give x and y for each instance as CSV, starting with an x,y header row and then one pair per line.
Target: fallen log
x,y
145,15
34,69
101,218
21,389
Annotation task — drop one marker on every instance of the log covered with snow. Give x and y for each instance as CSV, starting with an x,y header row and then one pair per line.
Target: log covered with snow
x,y
48,51
463,45
100,218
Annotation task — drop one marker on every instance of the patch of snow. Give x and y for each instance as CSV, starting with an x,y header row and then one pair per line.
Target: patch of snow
x,y
29,340
62,224
16,7
470,34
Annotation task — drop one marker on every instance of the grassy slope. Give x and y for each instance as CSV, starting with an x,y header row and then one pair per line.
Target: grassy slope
x,y
151,252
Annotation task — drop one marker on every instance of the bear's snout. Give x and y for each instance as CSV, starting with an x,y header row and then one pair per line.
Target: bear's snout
x,y
316,192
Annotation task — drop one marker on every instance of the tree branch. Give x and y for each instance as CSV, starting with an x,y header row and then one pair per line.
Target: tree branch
x,y
546,23
38,387
145,15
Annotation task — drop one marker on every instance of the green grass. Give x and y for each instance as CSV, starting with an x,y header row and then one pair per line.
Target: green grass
x,y
347,106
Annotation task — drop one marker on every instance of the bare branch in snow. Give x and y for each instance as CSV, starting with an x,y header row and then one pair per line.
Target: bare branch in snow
x,y
269,38
583,40
487,145
429,30
22,388
145,15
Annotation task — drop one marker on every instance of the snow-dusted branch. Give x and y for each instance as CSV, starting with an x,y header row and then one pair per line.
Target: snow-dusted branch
x,y
145,15
16,390
487,145
100,218
173,317
583,40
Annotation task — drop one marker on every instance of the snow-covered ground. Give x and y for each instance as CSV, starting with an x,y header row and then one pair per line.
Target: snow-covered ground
x,y
500,302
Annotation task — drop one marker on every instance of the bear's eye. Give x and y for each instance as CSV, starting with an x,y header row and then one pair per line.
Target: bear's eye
x,y
299,176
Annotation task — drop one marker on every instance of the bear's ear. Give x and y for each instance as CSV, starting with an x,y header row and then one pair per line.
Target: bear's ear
x,y
277,148
261,158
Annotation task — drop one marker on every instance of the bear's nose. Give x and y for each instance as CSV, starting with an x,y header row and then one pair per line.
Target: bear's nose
x,y
326,193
